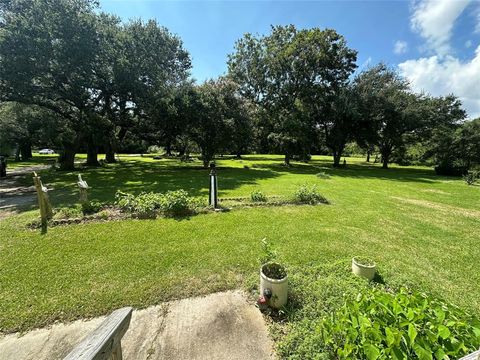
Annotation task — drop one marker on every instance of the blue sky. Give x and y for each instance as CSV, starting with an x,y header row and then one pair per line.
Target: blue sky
x,y
429,40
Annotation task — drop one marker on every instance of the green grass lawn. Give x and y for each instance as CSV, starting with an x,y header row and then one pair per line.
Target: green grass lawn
x,y
421,229
36,160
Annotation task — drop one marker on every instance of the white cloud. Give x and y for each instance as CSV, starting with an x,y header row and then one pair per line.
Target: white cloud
x,y
434,20
446,75
400,47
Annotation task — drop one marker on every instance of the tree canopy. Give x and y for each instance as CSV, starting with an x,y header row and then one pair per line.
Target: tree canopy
x,y
77,79
285,71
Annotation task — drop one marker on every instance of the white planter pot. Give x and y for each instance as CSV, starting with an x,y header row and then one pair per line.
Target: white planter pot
x,y
278,287
366,271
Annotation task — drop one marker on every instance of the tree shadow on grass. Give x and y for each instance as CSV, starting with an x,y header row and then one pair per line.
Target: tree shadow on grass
x,y
138,176
356,171
378,278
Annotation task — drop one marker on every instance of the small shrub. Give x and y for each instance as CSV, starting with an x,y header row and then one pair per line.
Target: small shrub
x,y
92,207
450,170
306,194
144,205
147,205
268,254
176,203
154,149
270,267
68,213
103,215
403,325
125,201
302,157
258,196
471,177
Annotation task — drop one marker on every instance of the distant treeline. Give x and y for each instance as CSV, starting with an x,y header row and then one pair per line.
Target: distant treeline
x,y
79,80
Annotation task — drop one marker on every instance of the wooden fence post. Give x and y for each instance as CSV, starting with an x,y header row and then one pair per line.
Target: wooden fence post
x,y
46,212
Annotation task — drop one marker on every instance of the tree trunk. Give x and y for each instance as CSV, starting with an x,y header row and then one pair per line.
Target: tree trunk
x,y
239,155
168,148
181,151
205,163
66,159
206,159
386,151
287,159
109,153
337,154
26,150
368,155
110,156
385,161
17,153
92,155
336,158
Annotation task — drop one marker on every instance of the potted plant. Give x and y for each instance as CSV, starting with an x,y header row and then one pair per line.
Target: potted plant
x,y
273,279
364,267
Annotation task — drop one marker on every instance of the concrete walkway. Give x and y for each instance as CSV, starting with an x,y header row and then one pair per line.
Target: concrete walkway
x,y
218,326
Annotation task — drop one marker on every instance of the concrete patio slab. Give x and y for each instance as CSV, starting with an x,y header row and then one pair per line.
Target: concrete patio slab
x,y
217,326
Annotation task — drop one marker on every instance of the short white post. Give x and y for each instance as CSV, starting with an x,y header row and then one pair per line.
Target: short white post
x,y
82,187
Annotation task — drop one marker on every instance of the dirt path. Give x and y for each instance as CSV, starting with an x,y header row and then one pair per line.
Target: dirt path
x,y
13,197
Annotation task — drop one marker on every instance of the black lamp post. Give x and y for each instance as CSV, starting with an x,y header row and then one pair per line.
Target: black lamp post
x,y
213,193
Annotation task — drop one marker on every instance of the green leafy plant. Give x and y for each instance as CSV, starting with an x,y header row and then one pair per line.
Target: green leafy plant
x,y
68,213
402,325
176,203
308,194
268,254
171,203
144,205
92,207
125,201
471,177
258,196
103,215
268,258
